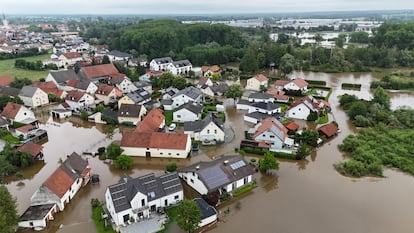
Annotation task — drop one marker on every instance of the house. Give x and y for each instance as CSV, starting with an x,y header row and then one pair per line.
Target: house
x,y
4,123
255,82
136,198
107,94
280,84
188,112
189,94
61,77
169,92
18,113
225,175
116,55
179,67
81,85
61,112
154,121
256,117
5,80
160,64
156,144
147,86
328,130
50,88
209,71
56,192
123,83
70,59
298,84
33,96
208,212
25,131
140,96
33,149
134,62
79,100
300,109
278,95
131,113
10,91
267,108
99,72
210,130
261,97
205,81
272,132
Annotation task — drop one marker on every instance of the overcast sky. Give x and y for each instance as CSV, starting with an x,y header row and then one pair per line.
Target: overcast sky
x,y
193,6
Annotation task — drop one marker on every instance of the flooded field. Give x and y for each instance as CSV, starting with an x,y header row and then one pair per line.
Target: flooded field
x,y
305,196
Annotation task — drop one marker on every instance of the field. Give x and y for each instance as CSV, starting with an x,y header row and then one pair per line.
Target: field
x,y
7,68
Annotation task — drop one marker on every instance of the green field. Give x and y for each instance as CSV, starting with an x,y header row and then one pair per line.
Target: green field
x,y
7,68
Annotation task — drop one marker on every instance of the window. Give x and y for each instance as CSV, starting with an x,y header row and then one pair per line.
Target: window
x,y
169,153
215,131
142,202
192,181
193,173
208,131
161,153
272,136
176,197
178,116
178,154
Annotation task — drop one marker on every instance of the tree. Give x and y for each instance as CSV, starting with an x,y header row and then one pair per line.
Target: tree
x,y
309,137
8,211
113,151
268,162
84,115
140,70
124,162
248,63
287,64
234,91
105,60
20,82
381,97
179,83
171,167
282,38
302,152
189,215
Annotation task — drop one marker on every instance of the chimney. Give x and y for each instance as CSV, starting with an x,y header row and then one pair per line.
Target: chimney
x,y
226,162
198,167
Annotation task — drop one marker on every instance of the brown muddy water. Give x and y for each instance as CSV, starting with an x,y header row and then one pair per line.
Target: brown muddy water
x,y
304,196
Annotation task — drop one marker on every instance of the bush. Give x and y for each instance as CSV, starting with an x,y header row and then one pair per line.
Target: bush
x,y
224,197
313,116
171,167
95,202
101,150
243,190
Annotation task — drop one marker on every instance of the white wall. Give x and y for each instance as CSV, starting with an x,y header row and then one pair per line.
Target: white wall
x,y
298,112
211,131
68,196
180,100
126,86
266,137
160,153
23,114
194,182
184,115
208,220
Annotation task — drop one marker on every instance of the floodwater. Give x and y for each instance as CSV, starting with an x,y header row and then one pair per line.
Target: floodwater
x,y
305,196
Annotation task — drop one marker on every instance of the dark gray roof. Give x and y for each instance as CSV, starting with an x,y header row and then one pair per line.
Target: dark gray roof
x,y
129,110
259,95
10,91
82,84
110,113
63,76
191,92
166,102
117,53
197,126
163,60
117,80
74,165
139,95
142,84
265,106
182,63
245,102
3,121
220,172
37,212
219,87
28,91
192,107
149,185
206,209
260,116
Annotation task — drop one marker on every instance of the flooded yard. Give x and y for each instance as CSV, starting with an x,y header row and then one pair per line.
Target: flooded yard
x,y
305,196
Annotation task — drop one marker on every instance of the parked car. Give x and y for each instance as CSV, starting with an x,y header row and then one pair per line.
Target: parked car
x,y
172,127
195,147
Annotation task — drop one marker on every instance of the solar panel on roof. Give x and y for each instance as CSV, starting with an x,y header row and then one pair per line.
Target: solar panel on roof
x,y
237,165
214,177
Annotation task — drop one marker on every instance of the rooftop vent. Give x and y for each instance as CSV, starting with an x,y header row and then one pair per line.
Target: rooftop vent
x,y
198,167
226,162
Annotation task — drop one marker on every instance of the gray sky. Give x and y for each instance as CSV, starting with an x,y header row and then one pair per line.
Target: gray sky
x,y
193,6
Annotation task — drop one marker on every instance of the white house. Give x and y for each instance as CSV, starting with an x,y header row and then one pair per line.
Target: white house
x,y
116,55
107,93
78,100
81,85
156,144
217,89
261,97
189,94
18,113
209,130
188,112
123,83
169,92
296,85
205,81
180,67
136,198
208,212
160,64
131,113
56,192
255,82
301,108
224,175
272,132
33,96
262,107
70,59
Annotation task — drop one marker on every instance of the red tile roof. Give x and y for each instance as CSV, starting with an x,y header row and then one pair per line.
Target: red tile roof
x,y
32,148
49,88
292,126
74,95
214,68
5,80
328,130
174,141
72,55
260,77
300,82
316,103
278,94
104,70
280,83
152,121
59,182
26,128
268,123
106,90
10,110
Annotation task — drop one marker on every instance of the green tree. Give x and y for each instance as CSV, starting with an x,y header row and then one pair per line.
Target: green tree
x,y
282,38
113,151
234,91
309,137
105,60
84,115
248,63
189,215
124,162
140,70
8,211
179,83
99,108
171,167
381,97
20,82
303,151
268,162
287,64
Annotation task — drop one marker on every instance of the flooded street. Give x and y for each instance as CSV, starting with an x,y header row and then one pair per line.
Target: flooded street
x,y
307,196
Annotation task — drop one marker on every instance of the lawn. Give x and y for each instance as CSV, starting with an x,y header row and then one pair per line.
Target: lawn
x,y
168,116
172,213
7,68
324,119
11,139
99,223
